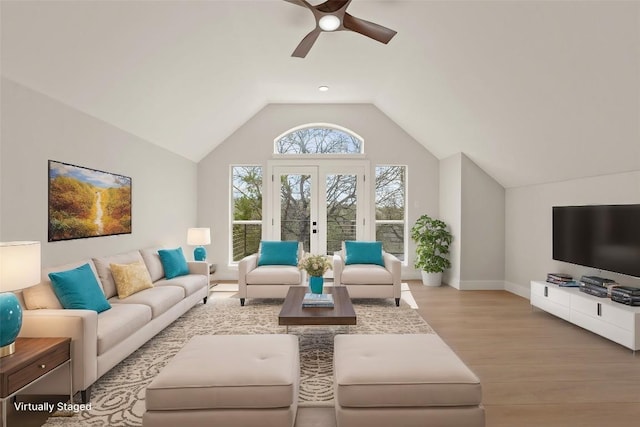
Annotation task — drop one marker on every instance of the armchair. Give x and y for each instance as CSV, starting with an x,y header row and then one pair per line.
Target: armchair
x,y
368,280
268,281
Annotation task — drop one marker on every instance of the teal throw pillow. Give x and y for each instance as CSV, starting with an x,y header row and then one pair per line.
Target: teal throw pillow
x,y
363,253
173,262
79,289
278,253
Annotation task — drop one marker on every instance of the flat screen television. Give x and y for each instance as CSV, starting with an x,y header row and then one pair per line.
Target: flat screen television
x,y
606,237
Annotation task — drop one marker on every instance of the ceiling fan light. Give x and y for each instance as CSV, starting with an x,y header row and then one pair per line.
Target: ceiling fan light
x,y
329,23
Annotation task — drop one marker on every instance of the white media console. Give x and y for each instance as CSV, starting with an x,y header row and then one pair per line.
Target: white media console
x,y
618,322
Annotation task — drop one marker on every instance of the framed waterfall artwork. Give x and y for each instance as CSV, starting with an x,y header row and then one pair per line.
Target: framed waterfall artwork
x,y
87,202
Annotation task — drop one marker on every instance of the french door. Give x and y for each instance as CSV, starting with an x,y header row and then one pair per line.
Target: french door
x,y
320,204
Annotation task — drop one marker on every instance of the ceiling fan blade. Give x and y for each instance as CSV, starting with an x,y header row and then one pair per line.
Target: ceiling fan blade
x,y
305,45
332,6
369,29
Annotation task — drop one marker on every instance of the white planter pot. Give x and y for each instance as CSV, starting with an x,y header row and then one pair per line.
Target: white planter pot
x,y
431,279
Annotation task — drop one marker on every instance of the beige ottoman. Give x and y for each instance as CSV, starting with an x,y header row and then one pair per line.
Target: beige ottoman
x,y
227,380
403,380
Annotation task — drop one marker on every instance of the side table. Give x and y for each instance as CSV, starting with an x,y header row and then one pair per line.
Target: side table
x,y
34,359
212,269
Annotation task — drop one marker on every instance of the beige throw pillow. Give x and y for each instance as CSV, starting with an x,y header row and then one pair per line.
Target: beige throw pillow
x,y
130,278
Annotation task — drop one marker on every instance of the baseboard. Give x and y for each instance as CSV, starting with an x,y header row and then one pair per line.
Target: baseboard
x,y
481,285
520,290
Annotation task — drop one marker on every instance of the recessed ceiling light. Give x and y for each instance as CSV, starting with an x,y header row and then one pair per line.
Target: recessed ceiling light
x,y
329,22
323,88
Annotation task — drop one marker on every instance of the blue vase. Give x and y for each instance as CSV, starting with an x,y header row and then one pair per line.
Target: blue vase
x,y
10,321
316,283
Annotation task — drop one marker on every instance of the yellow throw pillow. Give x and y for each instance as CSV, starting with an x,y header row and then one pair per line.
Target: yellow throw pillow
x,y
130,278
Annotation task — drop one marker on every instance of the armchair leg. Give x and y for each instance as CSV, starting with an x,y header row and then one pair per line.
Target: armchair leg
x,y
397,302
204,300
242,302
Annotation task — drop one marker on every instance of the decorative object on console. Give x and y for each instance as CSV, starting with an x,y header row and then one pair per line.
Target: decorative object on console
x,y
86,202
199,237
19,269
315,266
432,247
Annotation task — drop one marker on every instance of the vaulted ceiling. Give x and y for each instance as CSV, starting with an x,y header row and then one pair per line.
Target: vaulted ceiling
x,y
532,91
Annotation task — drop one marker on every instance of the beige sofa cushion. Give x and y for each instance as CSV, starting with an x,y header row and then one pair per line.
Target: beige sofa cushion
x,y
418,370
130,278
119,323
191,283
242,371
103,267
274,275
366,274
153,263
42,295
160,298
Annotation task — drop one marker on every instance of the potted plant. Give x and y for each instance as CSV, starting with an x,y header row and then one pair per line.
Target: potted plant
x,y
432,247
315,266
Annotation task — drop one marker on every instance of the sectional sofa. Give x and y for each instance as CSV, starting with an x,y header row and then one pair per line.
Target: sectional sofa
x,y
102,340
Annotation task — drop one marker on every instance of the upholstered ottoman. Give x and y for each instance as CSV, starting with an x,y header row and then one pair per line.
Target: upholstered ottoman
x,y
227,380
403,380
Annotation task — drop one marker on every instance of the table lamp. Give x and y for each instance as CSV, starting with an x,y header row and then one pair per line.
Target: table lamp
x,y
199,237
19,269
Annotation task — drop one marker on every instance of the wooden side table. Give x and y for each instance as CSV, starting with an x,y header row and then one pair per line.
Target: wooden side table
x,y
34,359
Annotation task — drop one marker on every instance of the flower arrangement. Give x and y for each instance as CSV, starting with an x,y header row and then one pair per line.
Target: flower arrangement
x,y
315,265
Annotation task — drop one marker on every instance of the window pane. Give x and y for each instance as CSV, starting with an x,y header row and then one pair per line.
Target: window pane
x,y
247,206
341,210
295,208
390,206
316,140
392,238
246,239
390,192
247,193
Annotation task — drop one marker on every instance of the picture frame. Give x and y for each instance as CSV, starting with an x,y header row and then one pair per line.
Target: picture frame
x,y
85,202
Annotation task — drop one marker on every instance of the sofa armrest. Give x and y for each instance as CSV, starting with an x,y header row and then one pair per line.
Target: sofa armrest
x,y
393,264
338,266
198,267
245,266
79,325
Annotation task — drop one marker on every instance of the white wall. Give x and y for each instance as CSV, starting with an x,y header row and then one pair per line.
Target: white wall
x,y
451,213
385,143
472,205
36,128
483,218
529,225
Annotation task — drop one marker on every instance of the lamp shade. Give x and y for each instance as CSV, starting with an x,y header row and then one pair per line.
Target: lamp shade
x,y
19,265
19,269
199,236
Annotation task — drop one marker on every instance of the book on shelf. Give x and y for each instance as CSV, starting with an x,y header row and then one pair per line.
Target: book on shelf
x,y
561,279
317,300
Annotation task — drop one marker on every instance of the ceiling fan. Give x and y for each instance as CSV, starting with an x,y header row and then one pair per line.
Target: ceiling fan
x,y
332,16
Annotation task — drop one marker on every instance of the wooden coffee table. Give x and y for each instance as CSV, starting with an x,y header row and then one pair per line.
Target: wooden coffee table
x,y
293,314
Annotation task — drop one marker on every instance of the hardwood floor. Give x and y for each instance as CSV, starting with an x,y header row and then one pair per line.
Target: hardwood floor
x,y
535,369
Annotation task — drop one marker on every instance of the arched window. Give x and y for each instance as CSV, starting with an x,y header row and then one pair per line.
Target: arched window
x,y
319,139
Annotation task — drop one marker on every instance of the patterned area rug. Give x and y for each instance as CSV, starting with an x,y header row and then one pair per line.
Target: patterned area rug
x,y
117,399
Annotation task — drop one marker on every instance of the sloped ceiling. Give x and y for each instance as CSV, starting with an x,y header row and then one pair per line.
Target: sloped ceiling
x,y
532,91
